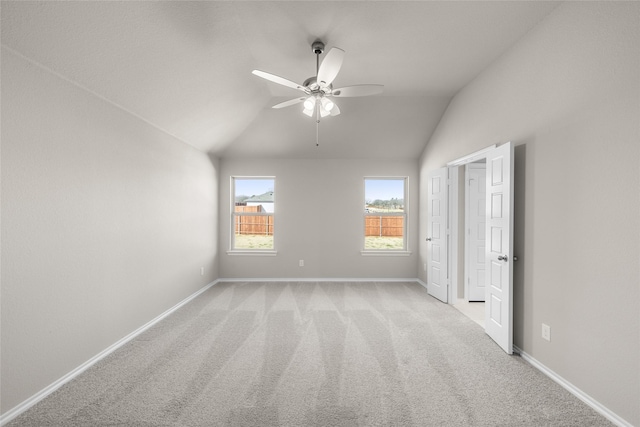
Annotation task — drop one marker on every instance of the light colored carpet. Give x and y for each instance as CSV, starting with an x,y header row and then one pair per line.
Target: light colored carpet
x,y
312,354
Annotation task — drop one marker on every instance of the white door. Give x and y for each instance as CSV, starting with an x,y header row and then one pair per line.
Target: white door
x,y
475,237
499,247
437,239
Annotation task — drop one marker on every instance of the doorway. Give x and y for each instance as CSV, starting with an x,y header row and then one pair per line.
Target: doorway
x,y
449,255
472,221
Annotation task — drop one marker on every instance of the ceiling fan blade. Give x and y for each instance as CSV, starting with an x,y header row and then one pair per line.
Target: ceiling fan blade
x,y
357,90
278,79
335,110
330,66
289,102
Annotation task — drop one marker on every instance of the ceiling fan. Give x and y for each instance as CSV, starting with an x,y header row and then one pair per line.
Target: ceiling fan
x,y
318,90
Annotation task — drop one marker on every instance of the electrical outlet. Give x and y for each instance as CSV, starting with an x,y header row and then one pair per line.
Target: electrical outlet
x,y
546,332
301,263
202,271
425,266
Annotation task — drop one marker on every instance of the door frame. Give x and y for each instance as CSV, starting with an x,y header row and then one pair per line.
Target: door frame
x,y
453,216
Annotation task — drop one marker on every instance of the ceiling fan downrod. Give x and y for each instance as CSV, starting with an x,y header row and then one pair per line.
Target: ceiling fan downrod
x,y
317,47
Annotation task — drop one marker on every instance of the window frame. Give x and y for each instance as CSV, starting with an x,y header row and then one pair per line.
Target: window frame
x,y
404,251
233,214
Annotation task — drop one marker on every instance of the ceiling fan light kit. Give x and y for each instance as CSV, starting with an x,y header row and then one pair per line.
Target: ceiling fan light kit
x,y
327,104
309,103
319,89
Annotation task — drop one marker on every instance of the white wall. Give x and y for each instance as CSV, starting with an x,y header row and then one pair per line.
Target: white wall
x,y
106,222
568,96
319,206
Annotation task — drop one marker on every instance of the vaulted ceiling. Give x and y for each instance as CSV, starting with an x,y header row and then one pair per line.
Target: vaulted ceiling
x,y
185,67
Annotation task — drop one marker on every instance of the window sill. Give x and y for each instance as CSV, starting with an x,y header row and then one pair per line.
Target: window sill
x,y
385,253
254,253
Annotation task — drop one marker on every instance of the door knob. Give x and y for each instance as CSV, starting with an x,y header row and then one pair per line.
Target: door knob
x,y
428,239
502,258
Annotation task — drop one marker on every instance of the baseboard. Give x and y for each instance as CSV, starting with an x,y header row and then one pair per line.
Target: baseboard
x,y
320,279
22,407
597,406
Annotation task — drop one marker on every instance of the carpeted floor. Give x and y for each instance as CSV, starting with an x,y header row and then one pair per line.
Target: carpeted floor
x,y
312,354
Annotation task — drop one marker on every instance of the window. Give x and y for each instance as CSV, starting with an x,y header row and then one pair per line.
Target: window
x,y
252,214
385,214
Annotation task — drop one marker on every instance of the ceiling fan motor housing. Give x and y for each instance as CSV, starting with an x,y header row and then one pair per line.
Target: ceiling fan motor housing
x,y
314,88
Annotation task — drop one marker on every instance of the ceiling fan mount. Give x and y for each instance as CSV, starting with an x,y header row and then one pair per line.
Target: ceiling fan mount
x,y
317,47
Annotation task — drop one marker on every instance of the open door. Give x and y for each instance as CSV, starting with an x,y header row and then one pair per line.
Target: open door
x,y
437,239
499,247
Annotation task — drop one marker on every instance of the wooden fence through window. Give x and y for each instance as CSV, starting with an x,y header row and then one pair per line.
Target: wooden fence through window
x,y
383,226
375,225
253,224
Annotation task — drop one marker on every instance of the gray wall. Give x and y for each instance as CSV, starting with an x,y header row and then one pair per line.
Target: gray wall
x,y
319,219
568,96
106,222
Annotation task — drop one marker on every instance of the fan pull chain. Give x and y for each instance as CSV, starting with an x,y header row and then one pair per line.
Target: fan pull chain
x,y
317,126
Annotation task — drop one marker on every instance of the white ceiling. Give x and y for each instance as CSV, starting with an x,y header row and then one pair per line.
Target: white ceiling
x,y
185,67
